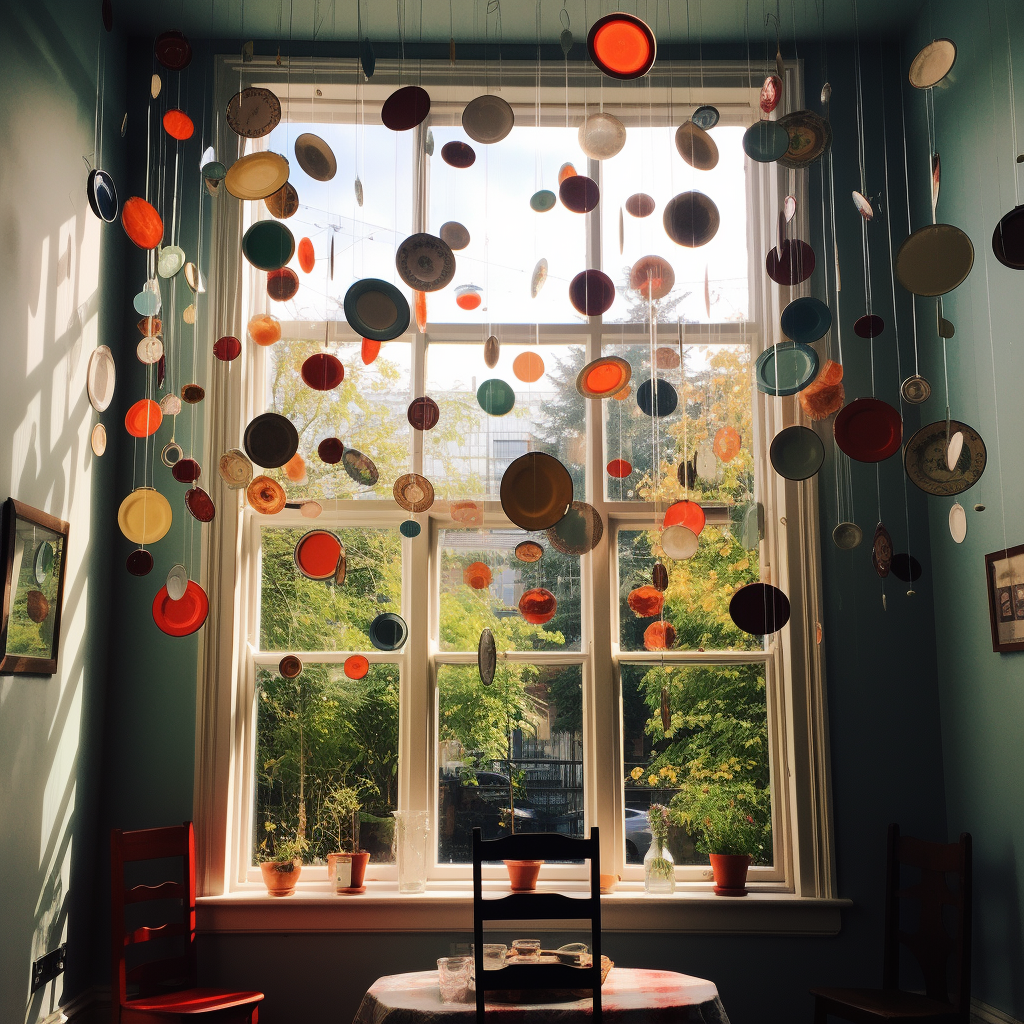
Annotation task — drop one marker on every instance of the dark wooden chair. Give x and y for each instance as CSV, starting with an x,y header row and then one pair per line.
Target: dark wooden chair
x,y
163,983
537,906
947,997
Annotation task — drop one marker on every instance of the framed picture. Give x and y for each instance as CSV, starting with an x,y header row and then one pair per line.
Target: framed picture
x,y
35,553
1005,574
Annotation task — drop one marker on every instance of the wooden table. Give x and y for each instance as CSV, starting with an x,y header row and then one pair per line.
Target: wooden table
x,y
628,996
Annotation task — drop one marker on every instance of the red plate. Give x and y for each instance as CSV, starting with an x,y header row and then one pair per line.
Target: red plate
x,y
317,554
184,617
405,108
322,371
868,430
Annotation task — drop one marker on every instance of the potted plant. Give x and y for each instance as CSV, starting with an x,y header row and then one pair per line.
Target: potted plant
x,y
284,864
659,867
728,825
343,807
522,874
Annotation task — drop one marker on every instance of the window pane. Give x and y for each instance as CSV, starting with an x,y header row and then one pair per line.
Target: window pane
x,y
323,743
511,750
491,199
466,454
367,411
365,237
650,163
711,762
299,614
696,603
718,399
502,581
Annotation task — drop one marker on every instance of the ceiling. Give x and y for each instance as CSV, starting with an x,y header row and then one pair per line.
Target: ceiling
x,y
516,21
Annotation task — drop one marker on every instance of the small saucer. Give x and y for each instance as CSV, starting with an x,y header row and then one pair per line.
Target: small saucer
x,y
719,891
351,892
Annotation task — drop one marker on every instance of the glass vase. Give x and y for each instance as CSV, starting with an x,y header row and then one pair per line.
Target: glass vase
x,y
659,869
411,843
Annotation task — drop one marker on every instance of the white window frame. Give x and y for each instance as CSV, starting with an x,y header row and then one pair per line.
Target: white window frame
x,y
790,551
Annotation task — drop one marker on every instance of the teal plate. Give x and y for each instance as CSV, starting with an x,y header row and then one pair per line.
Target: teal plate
x,y
542,201
806,319
786,368
376,310
765,141
268,245
496,398
797,453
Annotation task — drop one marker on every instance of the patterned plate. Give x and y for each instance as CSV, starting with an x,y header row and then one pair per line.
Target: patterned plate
x,y
925,459
809,137
425,262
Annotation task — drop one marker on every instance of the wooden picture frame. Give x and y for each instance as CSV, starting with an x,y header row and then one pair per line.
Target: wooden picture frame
x,y
35,547
1004,581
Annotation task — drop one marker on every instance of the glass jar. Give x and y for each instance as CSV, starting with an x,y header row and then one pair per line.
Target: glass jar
x,y
659,869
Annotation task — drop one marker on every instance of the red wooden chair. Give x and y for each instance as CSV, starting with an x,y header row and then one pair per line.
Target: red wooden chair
x,y
947,996
164,985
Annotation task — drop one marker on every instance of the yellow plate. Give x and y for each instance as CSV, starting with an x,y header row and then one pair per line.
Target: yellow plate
x,y
257,175
144,516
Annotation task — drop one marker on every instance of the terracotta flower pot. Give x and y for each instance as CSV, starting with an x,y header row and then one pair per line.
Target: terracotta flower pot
x,y
359,862
730,871
522,874
280,876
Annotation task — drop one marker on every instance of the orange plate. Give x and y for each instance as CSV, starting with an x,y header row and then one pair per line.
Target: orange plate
x,y
178,125
142,224
144,418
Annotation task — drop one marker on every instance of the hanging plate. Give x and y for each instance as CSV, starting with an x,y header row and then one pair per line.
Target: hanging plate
x,y
916,389
785,368
266,496
1007,239
282,284
603,377
413,492
257,175
317,554
766,141
100,378
622,46
496,397
271,440
284,203
958,523
405,108
536,491
322,371
182,617
685,513
142,223
487,119
871,325
809,136
144,516
601,136
679,542
388,632
934,260
847,536
539,276
790,263
376,309
592,292
542,201
653,277
925,459
423,413
640,204
99,187
705,117
458,154
696,147
173,51
143,419
881,551
868,430
360,467
98,439
691,219
486,657
529,551
268,245
200,505
797,453
579,531
315,157
579,193
139,562
454,235
253,113
425,262
806,319
657,399
759,609
492,351
932,64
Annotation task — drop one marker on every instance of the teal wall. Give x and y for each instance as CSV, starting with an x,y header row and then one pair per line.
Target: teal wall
x,y
981,692
60,292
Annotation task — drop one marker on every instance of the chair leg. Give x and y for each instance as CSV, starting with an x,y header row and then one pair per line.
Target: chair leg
x,y
820,1013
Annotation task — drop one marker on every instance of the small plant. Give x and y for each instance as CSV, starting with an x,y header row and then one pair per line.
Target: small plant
x,y
342,805
724,819
276,848
660,866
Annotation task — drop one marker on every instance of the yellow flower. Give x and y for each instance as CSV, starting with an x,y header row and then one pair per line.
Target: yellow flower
x,y
652,780
665,771
636,773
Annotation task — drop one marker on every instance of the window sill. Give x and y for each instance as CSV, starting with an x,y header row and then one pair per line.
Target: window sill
x,y
382,909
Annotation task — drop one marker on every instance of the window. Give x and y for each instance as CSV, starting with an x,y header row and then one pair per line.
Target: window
x,y
588,720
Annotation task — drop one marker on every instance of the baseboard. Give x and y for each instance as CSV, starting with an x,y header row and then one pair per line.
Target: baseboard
x,y
982,1013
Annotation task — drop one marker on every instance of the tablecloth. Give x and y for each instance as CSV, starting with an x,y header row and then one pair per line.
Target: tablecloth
x,y
628,996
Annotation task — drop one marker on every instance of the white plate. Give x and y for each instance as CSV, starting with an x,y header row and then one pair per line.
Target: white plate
x,y
958,523
99,439
953,450
177,582
679,542
149,350
487,119
101,378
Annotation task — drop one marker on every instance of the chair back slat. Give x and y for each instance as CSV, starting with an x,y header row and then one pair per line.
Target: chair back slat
x,y
176,919
533,906
163,891
160,931
930,943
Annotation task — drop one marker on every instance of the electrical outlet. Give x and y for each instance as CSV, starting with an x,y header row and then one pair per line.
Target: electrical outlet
x,y
48,966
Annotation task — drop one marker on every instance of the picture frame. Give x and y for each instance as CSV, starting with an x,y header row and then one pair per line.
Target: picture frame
x,y
34,548
1004,577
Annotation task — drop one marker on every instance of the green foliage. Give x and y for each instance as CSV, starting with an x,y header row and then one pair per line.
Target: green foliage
x,y
726,817
342,806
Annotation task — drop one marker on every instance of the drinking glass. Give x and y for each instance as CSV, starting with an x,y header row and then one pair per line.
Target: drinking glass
x,y
412,835
454,975
526,949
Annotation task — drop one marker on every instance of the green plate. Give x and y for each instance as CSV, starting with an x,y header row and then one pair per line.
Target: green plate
x,y
268,245
785,368
496,398
797,453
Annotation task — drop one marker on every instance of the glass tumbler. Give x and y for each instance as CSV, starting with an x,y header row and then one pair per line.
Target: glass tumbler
x,y
454,975
526,949
412,836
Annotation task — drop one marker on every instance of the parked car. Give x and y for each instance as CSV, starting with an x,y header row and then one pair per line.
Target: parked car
x,y
638,835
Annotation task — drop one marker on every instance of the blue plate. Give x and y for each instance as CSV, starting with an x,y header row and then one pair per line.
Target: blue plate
x,y
388,632
765,141
102,195
806,319
376,310
786,368
705,117
661,399
409,528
